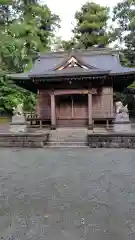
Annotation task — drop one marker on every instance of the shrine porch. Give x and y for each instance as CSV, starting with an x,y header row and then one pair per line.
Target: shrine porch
x,y
75,107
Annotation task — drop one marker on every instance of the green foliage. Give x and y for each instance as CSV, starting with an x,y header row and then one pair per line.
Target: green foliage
x,y
63,45
26,28
91,28
124,16
9,96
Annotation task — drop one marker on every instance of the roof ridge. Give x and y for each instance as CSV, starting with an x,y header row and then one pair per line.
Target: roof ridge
x,y
52,54
67,58
89,51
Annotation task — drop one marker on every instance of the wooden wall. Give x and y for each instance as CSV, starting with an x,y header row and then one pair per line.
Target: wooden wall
x,y
43,104
102,106
103,103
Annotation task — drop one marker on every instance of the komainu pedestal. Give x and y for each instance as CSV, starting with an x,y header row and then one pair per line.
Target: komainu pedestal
x,y
18,123
122,122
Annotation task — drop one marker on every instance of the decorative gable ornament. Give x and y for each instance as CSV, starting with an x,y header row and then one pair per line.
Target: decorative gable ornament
x,y
72,62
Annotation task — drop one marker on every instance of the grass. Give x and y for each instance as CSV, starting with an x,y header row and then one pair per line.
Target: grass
x,y
4,120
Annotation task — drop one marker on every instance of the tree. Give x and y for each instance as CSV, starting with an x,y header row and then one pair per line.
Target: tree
x,y
4,11
63,45
28,35
124,17
91,27
22,36
124,33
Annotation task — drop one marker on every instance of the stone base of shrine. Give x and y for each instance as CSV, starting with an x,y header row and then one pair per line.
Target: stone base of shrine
x,y
42,139
111,140
24,140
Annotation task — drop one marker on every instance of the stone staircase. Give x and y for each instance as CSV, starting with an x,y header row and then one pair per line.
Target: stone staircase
x,y
68,137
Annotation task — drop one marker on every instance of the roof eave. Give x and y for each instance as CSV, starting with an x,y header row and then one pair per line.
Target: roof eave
x,y
70,74
26,85
122,73
18,77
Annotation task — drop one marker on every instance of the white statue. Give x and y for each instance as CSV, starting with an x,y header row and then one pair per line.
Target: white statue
x,y
120,108
125,109
18,110
121,118
18,120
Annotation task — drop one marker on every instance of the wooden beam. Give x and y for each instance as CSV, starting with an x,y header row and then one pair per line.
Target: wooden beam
x,y
74,91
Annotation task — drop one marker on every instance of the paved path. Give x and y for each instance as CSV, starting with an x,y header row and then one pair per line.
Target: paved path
x,y
4,128
67,194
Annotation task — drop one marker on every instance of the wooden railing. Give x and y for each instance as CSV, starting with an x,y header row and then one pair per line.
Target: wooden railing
x,y
35,120
95,114
30,115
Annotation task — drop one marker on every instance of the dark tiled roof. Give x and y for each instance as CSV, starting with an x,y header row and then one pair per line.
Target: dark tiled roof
x,y
101,60
107,62
45,64
72,71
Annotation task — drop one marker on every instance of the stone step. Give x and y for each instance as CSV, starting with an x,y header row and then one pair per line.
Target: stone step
x,y
68,137
65,146
58,143
67,140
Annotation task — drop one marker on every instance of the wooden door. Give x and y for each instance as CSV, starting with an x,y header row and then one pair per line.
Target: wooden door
x,y
63,110
72,110
80,106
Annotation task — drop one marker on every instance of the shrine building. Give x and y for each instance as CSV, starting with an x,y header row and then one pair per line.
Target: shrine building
x,y
75,89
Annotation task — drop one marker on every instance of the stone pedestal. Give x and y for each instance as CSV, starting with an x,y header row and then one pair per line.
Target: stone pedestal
x,y
122,123
18,124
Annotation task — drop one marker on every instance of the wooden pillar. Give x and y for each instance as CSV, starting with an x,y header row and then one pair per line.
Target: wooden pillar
x,y
53,112
72,106
90,122
107,124
37,103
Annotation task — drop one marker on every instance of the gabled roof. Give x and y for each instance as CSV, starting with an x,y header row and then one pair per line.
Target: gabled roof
x,y
42,69
90,62
73,58
74,71
108,61
70,66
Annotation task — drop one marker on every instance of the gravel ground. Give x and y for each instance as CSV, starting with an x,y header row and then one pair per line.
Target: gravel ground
x,y
52,194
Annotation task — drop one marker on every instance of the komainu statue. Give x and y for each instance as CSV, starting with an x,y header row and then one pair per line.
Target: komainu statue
x,y
120,108
121,122
18,123
18,111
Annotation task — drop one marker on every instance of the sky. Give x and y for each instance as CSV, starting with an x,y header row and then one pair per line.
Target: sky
x,y
66,10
